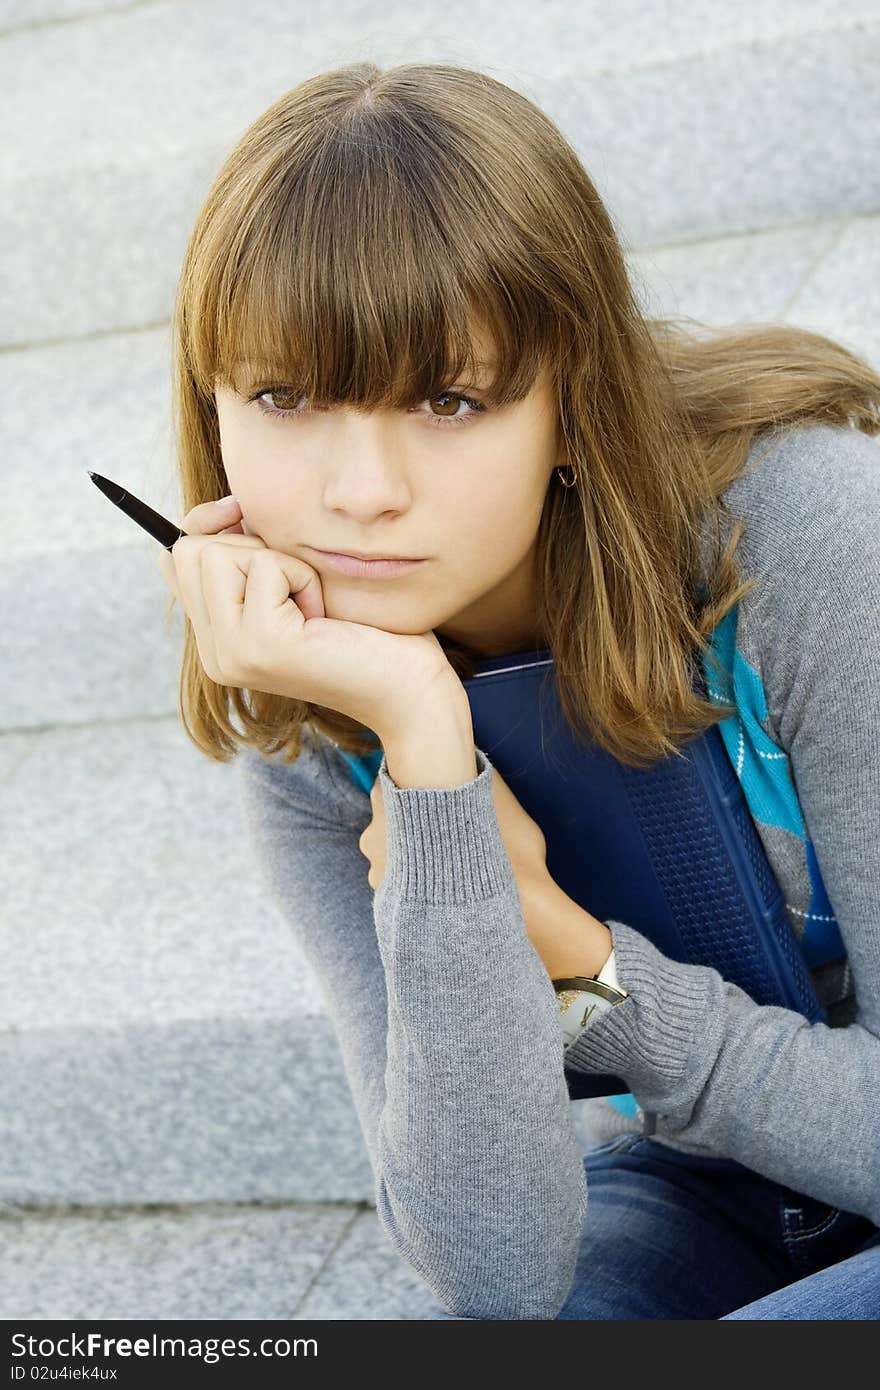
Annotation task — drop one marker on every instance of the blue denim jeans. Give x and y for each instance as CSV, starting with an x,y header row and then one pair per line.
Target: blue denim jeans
x,y
674,1235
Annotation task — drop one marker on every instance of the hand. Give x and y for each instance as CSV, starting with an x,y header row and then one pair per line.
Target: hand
x,y
259,624
522,836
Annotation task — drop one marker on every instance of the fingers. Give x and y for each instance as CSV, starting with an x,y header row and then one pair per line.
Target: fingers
x,y
268,587
197,561
255,599
211,517
239,588
231,587
298,580
202,525
206,519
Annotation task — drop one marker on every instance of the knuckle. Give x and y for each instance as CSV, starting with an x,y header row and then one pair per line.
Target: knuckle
x,y
182,546
212,550
199,517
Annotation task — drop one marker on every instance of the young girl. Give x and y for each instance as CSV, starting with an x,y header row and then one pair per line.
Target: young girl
x,y
404,328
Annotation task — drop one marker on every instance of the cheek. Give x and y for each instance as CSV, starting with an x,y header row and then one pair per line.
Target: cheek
x,y
502,516
234,451
261,477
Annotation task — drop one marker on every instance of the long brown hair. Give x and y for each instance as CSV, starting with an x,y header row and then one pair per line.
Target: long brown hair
x,y
352,236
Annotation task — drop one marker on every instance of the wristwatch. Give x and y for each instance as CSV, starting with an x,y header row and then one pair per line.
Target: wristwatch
x,y
584,998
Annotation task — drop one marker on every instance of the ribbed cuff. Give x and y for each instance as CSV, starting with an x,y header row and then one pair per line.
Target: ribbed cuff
x,y
443,845
657,1037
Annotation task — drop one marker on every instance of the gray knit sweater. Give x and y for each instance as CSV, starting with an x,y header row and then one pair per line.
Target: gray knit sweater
x,y
446,1019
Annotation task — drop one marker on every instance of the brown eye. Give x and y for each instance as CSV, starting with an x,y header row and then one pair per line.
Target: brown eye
x,y
453,403
449,413
283,397
286,397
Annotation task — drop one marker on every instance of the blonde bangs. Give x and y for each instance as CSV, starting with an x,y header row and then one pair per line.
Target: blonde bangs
x,y
360,279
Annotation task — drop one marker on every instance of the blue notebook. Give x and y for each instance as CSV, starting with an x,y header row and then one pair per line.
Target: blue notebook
x,y
671,850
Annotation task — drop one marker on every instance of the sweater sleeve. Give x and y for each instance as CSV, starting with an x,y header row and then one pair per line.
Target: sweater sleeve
x,y
759,1084
447,1023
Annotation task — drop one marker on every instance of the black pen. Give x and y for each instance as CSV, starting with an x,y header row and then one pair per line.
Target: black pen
x,y
155,525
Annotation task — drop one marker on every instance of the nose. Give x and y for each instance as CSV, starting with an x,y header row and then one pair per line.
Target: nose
x,y
366,473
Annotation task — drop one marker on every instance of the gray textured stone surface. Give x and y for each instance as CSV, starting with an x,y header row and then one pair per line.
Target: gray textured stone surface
x,y
18,15
101,403
841,296
691,122
364,1278
139,885
86,635
217,1110
213,1262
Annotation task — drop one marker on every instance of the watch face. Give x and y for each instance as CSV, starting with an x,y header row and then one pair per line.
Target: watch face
x,y
583,1009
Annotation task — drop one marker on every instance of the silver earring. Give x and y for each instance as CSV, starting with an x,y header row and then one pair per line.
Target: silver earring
x,y
573,480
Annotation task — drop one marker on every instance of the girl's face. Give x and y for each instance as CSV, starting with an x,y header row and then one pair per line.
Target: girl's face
x,y
460,486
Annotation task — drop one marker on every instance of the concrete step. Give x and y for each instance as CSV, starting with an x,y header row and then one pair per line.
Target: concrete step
x,y
692,121
263,1261
164,1039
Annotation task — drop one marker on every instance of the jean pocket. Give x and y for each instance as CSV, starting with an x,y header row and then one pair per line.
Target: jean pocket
x,y
817,1235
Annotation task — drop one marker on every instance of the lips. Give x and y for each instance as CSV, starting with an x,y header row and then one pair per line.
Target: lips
x,y
355,555
367,569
